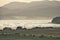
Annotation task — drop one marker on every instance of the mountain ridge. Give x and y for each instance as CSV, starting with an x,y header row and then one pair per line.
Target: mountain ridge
x,y
29,10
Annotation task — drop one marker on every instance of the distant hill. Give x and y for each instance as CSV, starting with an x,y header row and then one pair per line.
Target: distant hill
x,y
33,9
15,5
56,20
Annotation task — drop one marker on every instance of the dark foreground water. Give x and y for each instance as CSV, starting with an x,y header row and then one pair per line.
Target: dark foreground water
x,y
9,37
29,38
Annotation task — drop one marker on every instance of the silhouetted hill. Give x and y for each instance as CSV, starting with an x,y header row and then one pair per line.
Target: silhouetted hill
x,y
33,9
56,20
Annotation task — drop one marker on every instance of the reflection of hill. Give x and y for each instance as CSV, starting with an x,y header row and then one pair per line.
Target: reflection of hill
x,y
33,9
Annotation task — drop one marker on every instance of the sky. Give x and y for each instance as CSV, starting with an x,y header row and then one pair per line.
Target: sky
x,y
3,2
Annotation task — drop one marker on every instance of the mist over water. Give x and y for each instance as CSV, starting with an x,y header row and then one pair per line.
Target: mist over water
x,y
26,23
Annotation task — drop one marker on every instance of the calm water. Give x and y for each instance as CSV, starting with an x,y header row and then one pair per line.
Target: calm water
x,y
26,23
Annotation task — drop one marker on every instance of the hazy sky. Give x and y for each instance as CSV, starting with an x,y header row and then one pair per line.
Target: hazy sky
x,y
3,2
